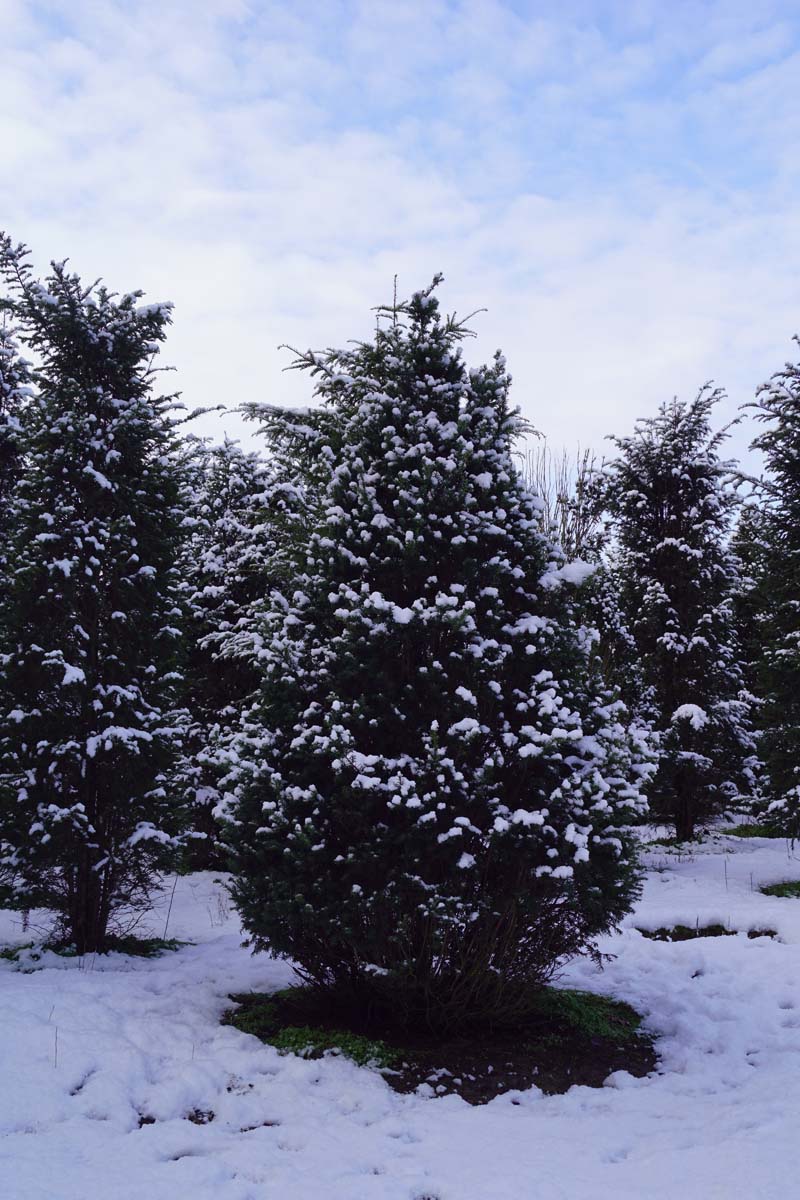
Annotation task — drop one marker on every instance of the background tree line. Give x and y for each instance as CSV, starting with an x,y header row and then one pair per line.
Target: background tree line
x,y
411,690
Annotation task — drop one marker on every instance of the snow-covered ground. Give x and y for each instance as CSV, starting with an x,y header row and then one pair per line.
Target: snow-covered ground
x,y
88,1048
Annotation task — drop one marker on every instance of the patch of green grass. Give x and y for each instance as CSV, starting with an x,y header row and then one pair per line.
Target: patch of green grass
x,y
750,831
685,933
139,947
313,1043
256,1014
789,890
143,947
261,1017
584,1013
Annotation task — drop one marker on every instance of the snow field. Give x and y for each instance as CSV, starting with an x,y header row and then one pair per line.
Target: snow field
x,y
89,1048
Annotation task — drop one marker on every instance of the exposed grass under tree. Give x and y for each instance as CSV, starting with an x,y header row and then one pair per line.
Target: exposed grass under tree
x,y
569,1037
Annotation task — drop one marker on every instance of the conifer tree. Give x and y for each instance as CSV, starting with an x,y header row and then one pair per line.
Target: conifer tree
x,y
671,509
14,395
771,543
227,570
572,491
751,546
431,805
87,682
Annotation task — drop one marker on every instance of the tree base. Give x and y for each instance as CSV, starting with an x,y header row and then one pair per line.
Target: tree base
x,y
572,1038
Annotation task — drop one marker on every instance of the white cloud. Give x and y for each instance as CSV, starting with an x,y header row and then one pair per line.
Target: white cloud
x,y
616,183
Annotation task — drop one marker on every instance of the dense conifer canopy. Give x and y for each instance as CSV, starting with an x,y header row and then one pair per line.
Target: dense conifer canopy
x,y
433,788
91,621
770,539
677,582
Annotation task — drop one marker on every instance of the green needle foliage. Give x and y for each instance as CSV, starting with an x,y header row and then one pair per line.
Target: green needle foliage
x,y
90,622
431,793
771,542
671,506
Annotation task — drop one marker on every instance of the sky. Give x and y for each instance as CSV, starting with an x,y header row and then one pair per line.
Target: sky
x,y
614,182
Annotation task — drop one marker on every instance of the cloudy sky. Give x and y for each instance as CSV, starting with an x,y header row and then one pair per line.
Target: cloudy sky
x,y
615,181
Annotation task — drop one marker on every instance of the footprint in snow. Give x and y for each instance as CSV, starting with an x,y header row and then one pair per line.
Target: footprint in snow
x,y
616,1156
403,1135
81,1084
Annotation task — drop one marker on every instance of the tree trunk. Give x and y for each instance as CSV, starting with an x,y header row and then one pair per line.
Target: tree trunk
x,y
685,809
88,919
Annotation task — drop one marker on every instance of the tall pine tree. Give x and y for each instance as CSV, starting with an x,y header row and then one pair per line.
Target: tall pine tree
x,y
771,543
228,569
88,732
15,392
671,509
433,791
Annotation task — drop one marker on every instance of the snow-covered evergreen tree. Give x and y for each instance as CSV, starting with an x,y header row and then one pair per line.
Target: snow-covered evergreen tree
x,y
15,391
228,569
433,789
87,681
751,545
671,509
771,544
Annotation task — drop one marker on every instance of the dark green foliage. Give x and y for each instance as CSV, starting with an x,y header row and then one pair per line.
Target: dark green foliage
x,y
15,391
671,506
91,621
752,549
433,788
769,539
237,518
